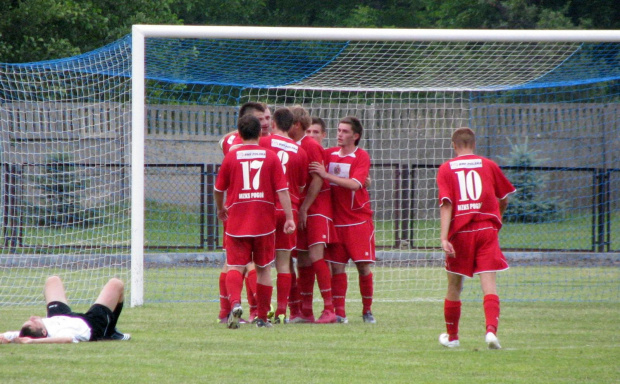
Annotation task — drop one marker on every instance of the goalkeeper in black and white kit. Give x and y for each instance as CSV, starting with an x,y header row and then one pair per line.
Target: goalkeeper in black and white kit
x,y
65,326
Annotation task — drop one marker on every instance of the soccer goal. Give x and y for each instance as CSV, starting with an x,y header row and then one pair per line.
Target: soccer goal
x,y
109,158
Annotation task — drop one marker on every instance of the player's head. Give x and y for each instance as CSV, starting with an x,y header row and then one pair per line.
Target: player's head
x,y
356,127
301,117
261,112
464,138
316,130
283,119
248,127
33,328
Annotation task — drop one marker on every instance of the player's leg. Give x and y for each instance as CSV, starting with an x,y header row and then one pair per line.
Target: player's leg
x,y
224,303
305,283
452,311
339,287
283,282
366,290
263,251
294,299
54,290
250,288
112,294
324,279
491,308
238,255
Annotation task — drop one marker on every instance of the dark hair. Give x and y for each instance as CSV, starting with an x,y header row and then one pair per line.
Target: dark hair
x,y
283,117
27,331
248,127
319,121
250,107
355,124
464,138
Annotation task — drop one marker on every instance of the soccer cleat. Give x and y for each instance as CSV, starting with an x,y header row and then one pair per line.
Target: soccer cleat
x,y
342,319
492,341
253,314
444,339
280,319
271,312
327,317
119,336
260,323
234,316
369,318
301,319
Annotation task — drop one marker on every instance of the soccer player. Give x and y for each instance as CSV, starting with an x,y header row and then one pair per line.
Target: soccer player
x,y
232,140
295,167
252,178
316,229
317,130
348,167
64,326
473,195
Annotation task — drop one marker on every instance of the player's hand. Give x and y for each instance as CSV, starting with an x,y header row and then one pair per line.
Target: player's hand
x,y
4,340
448,248
302,217
317,168
223,214
289,227
367,182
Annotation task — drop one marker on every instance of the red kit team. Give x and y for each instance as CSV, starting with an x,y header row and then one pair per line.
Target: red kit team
x,y
287,197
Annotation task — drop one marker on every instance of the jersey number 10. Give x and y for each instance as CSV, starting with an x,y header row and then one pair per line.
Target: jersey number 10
x,y
470,185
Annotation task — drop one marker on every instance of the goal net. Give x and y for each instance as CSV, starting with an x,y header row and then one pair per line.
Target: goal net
x,y
544,105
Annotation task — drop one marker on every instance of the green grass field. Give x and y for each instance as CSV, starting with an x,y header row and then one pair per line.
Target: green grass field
x,y
180,343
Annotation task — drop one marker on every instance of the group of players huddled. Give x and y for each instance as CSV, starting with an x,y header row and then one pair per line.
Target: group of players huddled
x,y
287,196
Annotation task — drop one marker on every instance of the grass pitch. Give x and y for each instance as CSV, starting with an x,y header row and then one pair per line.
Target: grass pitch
x,y
181,343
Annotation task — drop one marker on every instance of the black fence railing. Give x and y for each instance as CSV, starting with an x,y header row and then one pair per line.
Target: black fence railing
x,y
180,210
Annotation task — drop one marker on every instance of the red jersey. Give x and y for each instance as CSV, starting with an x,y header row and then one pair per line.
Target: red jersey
x,y
322,205
230,141
251,176
350,207
294,164
472,184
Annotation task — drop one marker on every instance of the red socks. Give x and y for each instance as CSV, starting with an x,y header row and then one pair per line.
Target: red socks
x,y
283,284
491,312
250,288
263,297
224,303
294,301
366,290
339,293
305,282
234,285
452,315
324,278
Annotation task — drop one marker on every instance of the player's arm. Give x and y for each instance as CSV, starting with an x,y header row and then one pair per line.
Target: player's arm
x,y
222,211
44,340
8,336
445,216
313,191
285,201
503,204
319,169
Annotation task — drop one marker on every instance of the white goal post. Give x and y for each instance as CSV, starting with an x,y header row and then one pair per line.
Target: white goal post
x,y
141,34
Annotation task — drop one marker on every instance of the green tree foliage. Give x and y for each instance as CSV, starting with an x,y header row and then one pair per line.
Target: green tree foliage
x,y
34,30
528,205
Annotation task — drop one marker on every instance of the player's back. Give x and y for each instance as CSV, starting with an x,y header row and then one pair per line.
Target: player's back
x,y
294,163
251,176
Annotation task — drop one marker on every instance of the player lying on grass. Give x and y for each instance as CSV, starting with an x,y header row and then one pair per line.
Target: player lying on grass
x,y
64,326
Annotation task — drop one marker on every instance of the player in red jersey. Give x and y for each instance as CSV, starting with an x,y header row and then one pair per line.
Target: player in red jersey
x,y
295,166
252,177
316,229
348,167
473,195
228,142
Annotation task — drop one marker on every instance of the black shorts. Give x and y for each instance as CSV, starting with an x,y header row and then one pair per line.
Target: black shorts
x,y
98,317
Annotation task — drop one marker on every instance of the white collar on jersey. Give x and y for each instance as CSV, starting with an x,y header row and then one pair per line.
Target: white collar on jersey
x,y
352,154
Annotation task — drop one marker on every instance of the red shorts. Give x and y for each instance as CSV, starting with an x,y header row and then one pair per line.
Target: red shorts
x,y
284,242
319,230
357,243
477,251
240,251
